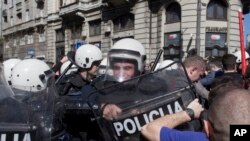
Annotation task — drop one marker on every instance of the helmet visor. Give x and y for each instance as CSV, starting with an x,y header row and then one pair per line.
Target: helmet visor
x,y
122,69
123,65
41,104
4,87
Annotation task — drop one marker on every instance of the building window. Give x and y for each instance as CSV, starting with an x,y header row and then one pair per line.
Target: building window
x,y
76,30
5,19
40,5
124,22
5,16
172,46
19,17
7,44
5,1
11,20
216,44
15,43
217,9
60,35
95,28
173,13
41,36
27,15
22,41
30,39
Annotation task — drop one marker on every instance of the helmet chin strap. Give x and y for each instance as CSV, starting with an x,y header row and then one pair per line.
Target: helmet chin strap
x,y
86,76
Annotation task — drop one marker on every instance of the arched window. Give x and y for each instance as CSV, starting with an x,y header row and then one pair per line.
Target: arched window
x,y
124,22
173,13
217,9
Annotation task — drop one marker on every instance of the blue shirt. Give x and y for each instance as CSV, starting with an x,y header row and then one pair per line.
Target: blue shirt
x,y
168,134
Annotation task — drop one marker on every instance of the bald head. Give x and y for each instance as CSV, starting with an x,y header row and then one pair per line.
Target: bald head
x,y
229,108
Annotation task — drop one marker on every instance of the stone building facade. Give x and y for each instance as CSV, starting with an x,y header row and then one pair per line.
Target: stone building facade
x,y
52,28
24,28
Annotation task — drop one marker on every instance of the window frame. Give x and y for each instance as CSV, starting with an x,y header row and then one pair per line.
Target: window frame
x,y
174,10
172,51
220,49
120,25
96,27
216,5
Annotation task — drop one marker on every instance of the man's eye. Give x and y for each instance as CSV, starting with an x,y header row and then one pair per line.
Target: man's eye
x,y
116,68
127,68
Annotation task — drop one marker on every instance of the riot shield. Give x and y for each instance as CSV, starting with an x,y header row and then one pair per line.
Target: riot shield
x,y
14,115
5,89
124,107
39,105
76,117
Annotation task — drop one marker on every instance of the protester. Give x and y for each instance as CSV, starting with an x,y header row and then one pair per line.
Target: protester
x,y
216,70
221,115
191,71
229,67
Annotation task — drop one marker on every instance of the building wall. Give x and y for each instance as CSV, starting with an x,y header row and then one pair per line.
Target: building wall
x,y
149,28
1,41
26,34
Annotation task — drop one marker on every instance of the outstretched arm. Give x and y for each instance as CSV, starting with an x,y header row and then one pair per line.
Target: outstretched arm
x,y
152,130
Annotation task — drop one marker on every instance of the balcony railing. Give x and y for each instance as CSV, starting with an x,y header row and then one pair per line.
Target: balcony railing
x,y
39,1
19,6
82,5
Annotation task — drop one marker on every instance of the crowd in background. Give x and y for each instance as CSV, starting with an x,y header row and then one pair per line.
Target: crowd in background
x,y
221,87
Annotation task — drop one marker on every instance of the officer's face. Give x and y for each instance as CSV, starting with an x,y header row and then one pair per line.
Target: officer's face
x,y
123,71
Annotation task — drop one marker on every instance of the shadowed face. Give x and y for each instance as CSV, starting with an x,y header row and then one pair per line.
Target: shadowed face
x,y
195,73
123,71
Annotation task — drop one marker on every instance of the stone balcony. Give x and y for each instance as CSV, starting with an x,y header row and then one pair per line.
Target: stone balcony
x,y
79,5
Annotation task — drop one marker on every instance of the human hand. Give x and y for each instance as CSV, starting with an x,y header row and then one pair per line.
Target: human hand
x,y
111,111
196,107
64,59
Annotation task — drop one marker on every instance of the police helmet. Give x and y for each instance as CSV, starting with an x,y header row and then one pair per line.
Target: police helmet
x,y
237,54
72,69
129,49
86,55
166,63
8,66
30,75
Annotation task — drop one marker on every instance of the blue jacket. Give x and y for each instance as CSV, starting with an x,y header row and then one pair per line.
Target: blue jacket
x,y
167,134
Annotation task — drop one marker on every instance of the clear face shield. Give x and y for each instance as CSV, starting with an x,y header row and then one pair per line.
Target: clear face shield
x,y
129,105
4,87
40,102
123,66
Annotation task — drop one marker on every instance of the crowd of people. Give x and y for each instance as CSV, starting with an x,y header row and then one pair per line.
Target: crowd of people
x,y
213,93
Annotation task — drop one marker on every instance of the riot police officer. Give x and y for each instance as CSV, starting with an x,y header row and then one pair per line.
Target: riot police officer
x,y
87,58
33,84
75,112
237,54
126,59
15,116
